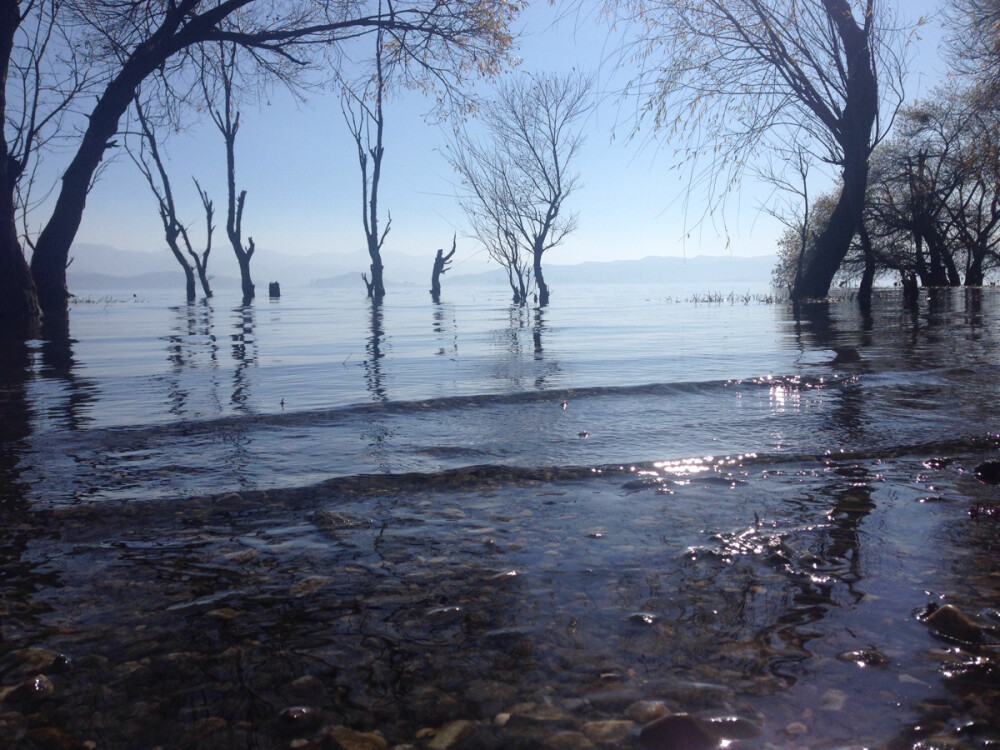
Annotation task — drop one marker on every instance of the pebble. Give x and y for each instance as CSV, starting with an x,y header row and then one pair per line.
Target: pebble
x,y
568,741
350,739
646,711
32,690
301,716
451,734
677,732
608,732
950,622
796,729
833,700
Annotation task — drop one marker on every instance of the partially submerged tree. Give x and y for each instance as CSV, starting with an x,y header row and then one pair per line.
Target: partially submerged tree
x,y
733,76
365,117
442,262
147,156
933,205
517,177
220,70
132,41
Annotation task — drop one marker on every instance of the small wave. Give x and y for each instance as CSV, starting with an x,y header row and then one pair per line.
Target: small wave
x,y
291,418
657,476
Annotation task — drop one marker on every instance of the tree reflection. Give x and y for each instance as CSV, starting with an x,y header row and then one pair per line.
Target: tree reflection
x,y
191,334
445,329
378,432
244,349
59,363
15,420
374,378
521,358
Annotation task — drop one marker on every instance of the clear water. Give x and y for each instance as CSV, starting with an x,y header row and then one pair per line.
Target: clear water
x,y
625,497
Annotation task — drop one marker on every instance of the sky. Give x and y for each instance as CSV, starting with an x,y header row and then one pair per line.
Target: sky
x,y
298,164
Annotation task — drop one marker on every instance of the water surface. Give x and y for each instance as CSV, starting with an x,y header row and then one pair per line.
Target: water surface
x,y
229,526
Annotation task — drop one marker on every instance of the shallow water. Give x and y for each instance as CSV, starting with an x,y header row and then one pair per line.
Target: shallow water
x,y
246,527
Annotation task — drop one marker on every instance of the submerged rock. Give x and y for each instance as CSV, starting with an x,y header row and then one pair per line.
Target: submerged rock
x,y
301,716
451,734
678,732
346,738
989,472
950,622
31,690
607,732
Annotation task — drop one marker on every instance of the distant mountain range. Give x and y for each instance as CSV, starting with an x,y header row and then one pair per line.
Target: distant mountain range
x,y
112,269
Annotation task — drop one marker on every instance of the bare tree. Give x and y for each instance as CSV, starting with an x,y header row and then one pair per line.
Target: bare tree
x,y
516,178
975,43
442,262
365,117
733,77
147,157
217,82
132,41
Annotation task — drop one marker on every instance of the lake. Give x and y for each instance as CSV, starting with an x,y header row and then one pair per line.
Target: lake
x,y
641,517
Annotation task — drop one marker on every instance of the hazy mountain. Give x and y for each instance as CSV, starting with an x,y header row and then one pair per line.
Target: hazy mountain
x,y
702,269
106,267
110,268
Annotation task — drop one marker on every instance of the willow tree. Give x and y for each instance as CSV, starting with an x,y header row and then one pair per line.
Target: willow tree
x,y
975,42
516,177
132,41
735,78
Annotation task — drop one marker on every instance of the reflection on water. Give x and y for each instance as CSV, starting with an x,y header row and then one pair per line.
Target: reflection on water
x,y
445,329
574,521
244,348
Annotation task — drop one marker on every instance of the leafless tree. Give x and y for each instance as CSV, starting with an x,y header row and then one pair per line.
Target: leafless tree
x,y
130,42
731,78
442,262
362,106
515,179
218,87
147,156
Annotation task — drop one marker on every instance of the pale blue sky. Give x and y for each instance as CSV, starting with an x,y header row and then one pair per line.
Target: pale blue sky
x,y
298,165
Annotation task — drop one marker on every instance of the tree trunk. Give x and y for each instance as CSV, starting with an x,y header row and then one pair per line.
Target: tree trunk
x,y
376,287
243,258
543,289
833,242
868,277
853,134
188,270
974,273
48,263
19,311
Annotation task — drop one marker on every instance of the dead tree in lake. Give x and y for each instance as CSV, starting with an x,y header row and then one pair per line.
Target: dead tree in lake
x,y
148,158
227,120
515,177
367,125
441,265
